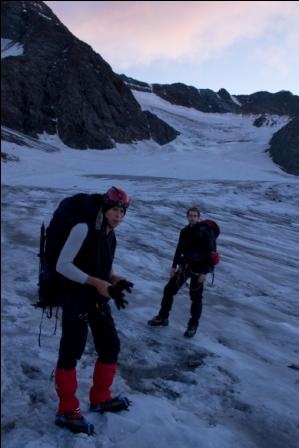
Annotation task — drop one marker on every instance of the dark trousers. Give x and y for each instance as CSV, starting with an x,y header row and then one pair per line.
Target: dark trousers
x,y
74,336
195,292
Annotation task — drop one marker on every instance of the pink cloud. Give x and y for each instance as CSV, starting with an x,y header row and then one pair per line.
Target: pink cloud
x,y
130,33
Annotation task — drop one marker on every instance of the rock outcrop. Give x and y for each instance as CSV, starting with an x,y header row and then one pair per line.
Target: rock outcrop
x,y
58,84
284,147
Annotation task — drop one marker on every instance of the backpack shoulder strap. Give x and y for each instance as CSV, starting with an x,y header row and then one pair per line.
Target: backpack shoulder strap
x,y
209,223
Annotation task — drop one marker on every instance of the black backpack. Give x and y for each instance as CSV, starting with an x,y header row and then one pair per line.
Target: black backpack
x,y
80,208
214,257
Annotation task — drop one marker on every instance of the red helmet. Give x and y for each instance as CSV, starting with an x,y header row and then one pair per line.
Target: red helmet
x,y
116,197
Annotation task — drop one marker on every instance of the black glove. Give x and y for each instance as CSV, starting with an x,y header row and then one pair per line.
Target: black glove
x,y
124,284
116,292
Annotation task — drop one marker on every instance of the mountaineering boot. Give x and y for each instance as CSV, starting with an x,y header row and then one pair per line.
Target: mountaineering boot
x,y
75,422
68,414
103,376
158,321
115,404
100,395
190,332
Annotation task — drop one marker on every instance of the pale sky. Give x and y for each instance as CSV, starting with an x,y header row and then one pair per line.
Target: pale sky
x,y
242,46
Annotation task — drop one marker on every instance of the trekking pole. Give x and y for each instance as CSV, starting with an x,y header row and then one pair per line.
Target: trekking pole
x,y
213,275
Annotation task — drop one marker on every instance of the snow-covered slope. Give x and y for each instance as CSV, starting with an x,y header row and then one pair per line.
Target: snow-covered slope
x,y
235,383
211,146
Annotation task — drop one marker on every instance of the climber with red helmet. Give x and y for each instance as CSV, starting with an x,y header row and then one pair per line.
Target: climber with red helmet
x,y
83,225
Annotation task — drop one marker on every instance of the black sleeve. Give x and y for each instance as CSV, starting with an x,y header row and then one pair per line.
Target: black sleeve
x,y
178,252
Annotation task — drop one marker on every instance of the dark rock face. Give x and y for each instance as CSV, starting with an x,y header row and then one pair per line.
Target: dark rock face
x,y
136,85
204,100
260,121
284,147
161,132
280,103
265,120
59,84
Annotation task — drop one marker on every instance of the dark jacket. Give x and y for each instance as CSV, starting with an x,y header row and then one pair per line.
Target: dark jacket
x,y
194,247
95,258
96,254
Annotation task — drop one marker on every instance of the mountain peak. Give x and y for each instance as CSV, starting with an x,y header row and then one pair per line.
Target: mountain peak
x,y
60,85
